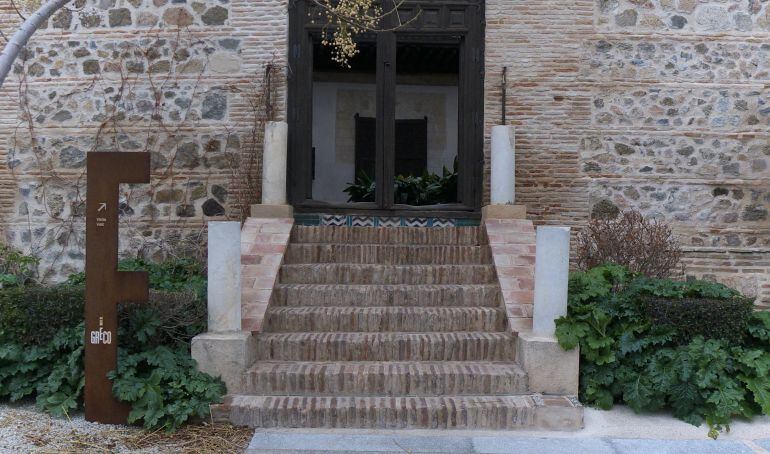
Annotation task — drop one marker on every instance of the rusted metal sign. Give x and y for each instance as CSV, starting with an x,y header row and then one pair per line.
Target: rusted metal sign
x,y
105,285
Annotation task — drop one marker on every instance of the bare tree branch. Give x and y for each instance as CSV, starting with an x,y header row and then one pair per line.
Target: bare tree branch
x,y
22,35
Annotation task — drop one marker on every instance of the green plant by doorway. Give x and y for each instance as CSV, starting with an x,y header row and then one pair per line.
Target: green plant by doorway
x,y
426,189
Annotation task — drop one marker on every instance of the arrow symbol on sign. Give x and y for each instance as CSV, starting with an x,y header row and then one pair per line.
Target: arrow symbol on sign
x,y
102,206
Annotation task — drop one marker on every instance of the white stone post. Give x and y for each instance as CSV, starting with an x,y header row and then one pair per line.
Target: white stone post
x,y
225,351
551,277
274,157
503,182
550,368
224,276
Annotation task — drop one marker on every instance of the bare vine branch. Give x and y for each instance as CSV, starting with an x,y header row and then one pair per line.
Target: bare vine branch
x,y
346,18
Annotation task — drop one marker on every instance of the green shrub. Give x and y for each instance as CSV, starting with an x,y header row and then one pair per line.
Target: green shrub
x,y
169,318
626,357
164,387
32,315
170,276
726,319
41,348
16,268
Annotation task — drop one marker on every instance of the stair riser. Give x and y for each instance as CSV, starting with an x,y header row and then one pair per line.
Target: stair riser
x,y
472,236
475,296
399,413
389,255
351,319
378,274
400,380
407,347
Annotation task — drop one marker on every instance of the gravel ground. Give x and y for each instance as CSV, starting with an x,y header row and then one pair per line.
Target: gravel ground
x,y
24,429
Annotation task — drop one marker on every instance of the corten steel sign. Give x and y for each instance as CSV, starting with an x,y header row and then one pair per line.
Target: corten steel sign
x,y
105,285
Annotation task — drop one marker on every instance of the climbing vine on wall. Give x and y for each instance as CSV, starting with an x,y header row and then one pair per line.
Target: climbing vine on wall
x,y
153,94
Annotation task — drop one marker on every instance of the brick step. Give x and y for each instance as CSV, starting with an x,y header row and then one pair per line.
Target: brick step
x,y
387,254
472,236
385,378
346,273
449,295
532,411
383,319
456,346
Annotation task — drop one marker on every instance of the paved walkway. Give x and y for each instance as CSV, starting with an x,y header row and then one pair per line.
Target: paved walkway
x,y
612,432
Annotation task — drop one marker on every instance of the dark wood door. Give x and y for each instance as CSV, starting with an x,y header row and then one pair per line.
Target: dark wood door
x,y
392,148
411,150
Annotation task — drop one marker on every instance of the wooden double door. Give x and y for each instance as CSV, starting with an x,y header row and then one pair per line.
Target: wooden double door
x,y
405,114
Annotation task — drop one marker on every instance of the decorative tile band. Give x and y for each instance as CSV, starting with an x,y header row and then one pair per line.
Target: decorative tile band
x,y
354,220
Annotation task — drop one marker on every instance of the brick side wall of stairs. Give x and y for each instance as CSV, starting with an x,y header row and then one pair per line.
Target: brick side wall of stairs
x,y
512,245
263,245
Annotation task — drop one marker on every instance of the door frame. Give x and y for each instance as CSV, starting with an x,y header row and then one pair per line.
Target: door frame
x,y
444,21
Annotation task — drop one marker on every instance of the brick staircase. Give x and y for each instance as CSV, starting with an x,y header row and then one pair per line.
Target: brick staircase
x,y
390,328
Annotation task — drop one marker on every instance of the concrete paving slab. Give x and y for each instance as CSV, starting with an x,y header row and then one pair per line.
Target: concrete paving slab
x,y
361,443
630,446
321,442
508,445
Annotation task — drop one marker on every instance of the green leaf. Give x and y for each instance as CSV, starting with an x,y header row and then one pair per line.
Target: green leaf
x,y
569,333
760,388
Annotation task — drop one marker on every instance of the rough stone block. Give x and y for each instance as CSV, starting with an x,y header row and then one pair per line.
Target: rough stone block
x,y
225,355
551,369
272,211
503,212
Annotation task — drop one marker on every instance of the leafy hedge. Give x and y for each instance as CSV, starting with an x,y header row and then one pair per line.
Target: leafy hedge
x,y
648,357
33,315
42,341
725,319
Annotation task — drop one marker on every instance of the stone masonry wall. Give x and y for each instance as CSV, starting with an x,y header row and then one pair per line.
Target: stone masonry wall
x,y
173,77
657,105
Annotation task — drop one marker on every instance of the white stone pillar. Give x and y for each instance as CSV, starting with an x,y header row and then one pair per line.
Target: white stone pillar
x,y
224,276
551,278
503,182
274,157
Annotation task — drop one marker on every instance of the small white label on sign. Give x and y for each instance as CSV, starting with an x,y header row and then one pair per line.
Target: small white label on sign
x,y
101,337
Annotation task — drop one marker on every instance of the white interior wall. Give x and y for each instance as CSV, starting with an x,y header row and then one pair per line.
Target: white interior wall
x,y
334,107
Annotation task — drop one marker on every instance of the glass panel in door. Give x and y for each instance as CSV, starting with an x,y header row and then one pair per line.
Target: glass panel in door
x,y
344,126
426,129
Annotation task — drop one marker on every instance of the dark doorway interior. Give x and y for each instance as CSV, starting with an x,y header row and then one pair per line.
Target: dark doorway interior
x,y
411,146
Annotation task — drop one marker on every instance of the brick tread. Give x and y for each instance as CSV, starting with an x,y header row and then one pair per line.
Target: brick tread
x,y
385,378
387,254
416,295
383,319
447,412
356,273
455,346
472,236
391,328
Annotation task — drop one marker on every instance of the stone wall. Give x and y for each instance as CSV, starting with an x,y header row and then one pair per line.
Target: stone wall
x,y
177,79
656,105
